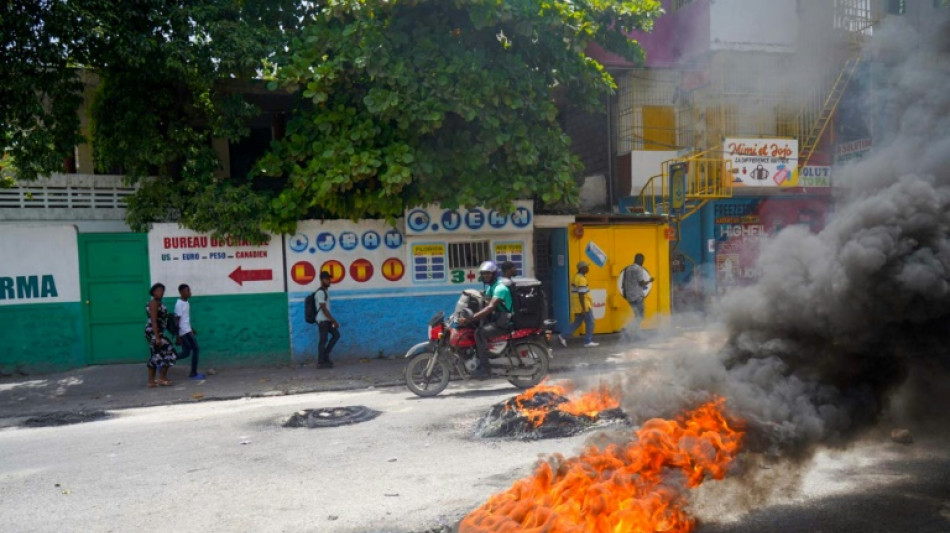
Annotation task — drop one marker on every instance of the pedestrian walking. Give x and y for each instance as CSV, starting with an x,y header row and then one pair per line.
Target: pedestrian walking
x,y
162,354
328,326
635,284
583,310
186,334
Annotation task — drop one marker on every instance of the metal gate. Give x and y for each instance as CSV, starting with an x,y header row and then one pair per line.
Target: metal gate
x,y
114,274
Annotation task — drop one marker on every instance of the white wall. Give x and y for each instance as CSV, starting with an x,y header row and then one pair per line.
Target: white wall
x,y
644,165
753,25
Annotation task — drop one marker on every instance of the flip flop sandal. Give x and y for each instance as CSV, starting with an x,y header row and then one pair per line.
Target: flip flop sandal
x,y
152,384
164,383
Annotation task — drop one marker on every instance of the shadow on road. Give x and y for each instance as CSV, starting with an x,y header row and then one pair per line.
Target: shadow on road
x,y
919,502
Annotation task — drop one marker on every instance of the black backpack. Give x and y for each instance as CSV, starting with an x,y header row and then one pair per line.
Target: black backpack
x,y
529,302
171,323
310,307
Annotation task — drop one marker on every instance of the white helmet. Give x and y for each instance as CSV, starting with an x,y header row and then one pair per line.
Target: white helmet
x,y
488,266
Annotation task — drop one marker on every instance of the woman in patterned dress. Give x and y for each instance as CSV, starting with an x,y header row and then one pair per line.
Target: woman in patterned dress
x,y
162,352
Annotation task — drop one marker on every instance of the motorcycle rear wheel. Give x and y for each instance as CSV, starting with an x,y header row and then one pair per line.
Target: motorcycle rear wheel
x,y
427,376
540,355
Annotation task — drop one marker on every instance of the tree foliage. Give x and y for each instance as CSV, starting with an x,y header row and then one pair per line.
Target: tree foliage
x,y
400,102
418,102
40,41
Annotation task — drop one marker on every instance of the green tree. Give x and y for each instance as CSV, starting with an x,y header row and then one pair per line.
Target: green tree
x,y
40,42
172,74
169,75
412,102
400,102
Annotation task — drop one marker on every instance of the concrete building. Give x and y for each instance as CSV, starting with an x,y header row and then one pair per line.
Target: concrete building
x,y
757,102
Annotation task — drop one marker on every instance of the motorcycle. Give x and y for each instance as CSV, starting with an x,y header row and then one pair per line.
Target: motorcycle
x,y
521,355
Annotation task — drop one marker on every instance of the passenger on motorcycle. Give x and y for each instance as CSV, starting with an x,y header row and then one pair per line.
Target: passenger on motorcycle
x,y
498,312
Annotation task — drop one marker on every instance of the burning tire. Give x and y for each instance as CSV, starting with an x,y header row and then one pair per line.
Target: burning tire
x,y
540,357
426,375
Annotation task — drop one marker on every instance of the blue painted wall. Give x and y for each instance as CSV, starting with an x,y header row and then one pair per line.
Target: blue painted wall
x,y
383,322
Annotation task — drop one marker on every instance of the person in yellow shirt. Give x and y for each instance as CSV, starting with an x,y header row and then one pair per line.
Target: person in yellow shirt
x,y
582,306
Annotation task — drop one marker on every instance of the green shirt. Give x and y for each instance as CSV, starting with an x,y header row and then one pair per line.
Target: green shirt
x,y
502,292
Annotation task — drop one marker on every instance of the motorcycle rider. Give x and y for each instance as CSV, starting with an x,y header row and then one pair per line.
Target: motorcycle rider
x,y
498,312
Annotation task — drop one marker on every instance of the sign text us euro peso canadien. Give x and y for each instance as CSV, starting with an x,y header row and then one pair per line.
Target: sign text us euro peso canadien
x,y
214,266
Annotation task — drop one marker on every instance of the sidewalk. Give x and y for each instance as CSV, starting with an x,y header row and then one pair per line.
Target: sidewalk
x,y
111,387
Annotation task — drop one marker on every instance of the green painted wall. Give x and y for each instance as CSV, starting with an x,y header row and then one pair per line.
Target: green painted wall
x,y
39,338
239,330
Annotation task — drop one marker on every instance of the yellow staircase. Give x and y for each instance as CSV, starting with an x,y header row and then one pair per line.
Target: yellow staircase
x,y
814,118
708,177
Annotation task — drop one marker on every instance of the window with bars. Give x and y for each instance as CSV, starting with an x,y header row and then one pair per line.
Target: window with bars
x,y
465,255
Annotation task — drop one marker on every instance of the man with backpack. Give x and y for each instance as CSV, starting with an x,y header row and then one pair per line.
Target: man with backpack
x,y
317,310
508,271
635,285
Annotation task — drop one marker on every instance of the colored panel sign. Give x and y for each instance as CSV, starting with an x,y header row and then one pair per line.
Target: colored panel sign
x,y
852,150
417,221
741,224
511,251
360,247
349,240
303,272
361,270
215,266
428,263
763,162
336,270
814,176
451,220
39,265
370,240
522,217
433,219
393,269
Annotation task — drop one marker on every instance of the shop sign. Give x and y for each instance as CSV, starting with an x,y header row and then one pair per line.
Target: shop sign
x,y
39,265
435,220
763,162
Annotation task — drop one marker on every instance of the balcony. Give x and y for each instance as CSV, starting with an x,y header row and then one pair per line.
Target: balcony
x,y
66,197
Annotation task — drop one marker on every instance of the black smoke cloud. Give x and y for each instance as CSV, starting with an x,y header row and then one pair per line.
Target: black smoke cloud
x,y
840,319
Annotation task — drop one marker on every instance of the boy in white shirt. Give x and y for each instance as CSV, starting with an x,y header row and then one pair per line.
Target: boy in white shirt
x,y
186,335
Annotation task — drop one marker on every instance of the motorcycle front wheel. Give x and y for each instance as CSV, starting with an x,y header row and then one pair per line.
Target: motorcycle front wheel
x,y
427,375
539,355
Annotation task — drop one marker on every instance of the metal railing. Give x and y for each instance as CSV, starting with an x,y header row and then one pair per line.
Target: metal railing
x,y
68,191
708,176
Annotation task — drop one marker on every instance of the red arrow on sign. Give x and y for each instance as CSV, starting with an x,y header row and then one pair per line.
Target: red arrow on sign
x,y
240,276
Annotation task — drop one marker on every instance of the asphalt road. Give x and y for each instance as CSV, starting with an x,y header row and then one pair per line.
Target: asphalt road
x,y
230,466
876,486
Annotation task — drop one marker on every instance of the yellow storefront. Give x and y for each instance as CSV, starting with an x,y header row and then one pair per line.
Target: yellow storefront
x,y
608,245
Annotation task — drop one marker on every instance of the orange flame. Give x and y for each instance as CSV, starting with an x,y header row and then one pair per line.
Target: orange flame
x,y
637,487
588,403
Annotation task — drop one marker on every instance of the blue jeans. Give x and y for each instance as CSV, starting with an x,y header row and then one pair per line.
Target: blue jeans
x,y
588,319
323,347
189,346
638,312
